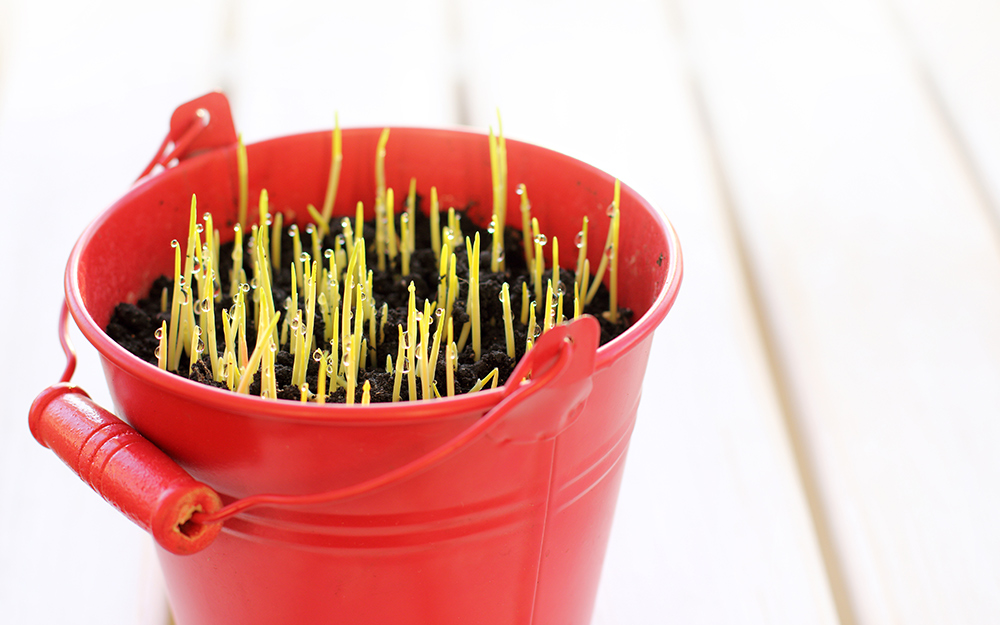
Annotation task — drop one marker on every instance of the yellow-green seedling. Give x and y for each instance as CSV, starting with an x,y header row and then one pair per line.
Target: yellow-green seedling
x,y
336,161
539,240
526,231
161,335
254,363
473,305
613,251
451,359
491,379
243,180
435,215
397,374
278,222
380,193
237,275
581,248
508,322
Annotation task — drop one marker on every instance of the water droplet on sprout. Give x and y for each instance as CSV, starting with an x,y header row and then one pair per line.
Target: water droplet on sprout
x,y
310,229
500,255
579,239
541,239
156,352
328,253
199,228
318,355
174,243
406,366
610,210
439,312
560,290
304,257
159,333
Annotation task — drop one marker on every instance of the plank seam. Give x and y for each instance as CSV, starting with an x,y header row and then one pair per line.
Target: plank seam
x,y
945,114
763,322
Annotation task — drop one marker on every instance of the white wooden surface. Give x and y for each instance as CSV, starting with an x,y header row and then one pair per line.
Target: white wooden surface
x,y
816,441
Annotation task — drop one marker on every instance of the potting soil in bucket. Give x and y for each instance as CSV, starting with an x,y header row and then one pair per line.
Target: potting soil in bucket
x,y
489,508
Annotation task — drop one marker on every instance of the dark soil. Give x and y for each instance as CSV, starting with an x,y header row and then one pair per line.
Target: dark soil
x,y
133,326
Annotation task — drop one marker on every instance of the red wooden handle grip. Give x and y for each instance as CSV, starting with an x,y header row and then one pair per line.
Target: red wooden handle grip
x,y
127,470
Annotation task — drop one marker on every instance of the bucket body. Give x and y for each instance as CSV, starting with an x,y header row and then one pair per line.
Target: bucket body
x,y
507,530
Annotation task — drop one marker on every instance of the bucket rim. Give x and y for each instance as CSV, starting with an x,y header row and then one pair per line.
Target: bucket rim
x,y
410,411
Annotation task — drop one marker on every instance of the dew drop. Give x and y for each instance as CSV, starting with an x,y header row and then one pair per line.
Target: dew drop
x,y
206,216
310,229
304,388
406,366
330,372
304,257
271,346
609,251
438,312
418,316
174,244
328,253
538,331
579,239
560,290
346,360
345,223
500,256
293,230
196,264
199,228
341,240
502,298
520,191
541,239
245,287
206,305
492,228
318,355
610,210
159,333
156,352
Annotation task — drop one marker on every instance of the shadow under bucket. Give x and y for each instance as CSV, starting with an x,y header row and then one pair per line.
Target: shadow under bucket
x,y
490,508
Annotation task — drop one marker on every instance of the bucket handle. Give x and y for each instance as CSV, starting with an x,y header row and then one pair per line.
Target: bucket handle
x,y
204,123
185,516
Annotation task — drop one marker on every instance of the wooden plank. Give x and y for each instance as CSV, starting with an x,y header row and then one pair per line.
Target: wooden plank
x,y
712,525
376,63
951,44
880,279
86,95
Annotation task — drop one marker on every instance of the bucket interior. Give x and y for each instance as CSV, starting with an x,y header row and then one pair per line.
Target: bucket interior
x,y
128,247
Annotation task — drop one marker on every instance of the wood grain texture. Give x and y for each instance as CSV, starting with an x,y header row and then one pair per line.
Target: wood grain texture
x,y
880,277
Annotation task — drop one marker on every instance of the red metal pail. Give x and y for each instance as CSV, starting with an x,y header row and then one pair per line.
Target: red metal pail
x,y
491,508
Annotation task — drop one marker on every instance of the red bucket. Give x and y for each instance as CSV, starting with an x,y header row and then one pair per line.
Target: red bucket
x,y
490,508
